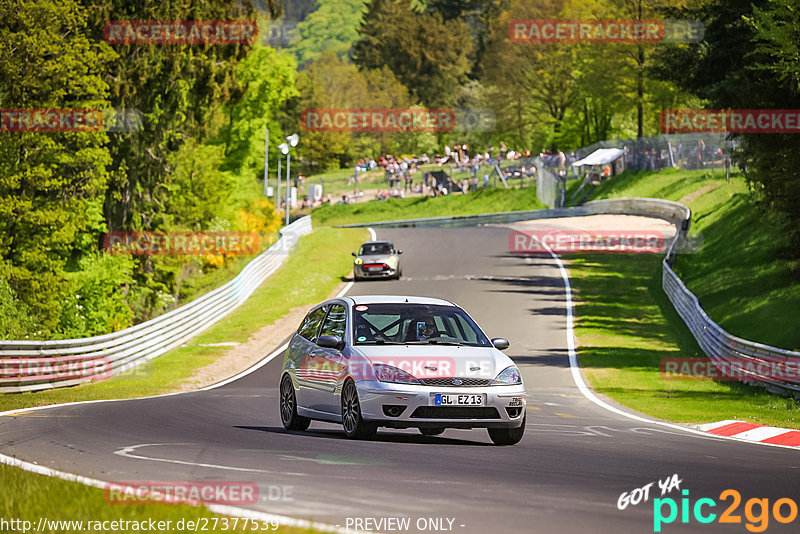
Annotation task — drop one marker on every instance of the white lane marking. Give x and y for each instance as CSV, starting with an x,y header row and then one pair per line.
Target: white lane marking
x,y
232,511
372,235
345,289
127,452
584,389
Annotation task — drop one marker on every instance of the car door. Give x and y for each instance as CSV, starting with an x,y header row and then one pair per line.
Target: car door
x,y
331,360
302,349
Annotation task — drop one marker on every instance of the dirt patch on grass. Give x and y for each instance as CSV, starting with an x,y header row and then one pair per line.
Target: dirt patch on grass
x,y
702,191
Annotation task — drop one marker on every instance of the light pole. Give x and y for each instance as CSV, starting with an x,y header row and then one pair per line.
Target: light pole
x,y
266,162
292,140
284,148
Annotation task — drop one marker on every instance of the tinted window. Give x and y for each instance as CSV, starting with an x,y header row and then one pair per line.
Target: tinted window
x,y
414,323
311,323
334,324
376,248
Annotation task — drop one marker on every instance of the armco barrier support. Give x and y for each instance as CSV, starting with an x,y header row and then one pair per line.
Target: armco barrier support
x,y
756,363
39,365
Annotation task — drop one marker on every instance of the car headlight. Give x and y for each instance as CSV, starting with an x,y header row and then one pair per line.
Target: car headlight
x,y
389,373
508,376
392,260
358,261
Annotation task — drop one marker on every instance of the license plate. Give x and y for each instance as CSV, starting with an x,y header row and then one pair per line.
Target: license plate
x,y
374,268
449,399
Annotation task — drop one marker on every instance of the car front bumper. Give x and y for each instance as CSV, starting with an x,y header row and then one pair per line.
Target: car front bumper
x,y
387,271
504,406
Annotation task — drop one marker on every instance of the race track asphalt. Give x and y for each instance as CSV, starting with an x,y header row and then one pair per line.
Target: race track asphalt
x,y
566,475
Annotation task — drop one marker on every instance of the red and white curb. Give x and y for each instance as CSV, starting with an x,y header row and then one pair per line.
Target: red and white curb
x,y
752,432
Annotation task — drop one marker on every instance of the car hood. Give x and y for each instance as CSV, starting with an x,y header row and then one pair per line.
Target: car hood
x,y
438,361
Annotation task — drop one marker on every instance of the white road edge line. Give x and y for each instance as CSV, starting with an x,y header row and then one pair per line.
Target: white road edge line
x,y
215,508
589,394
233,511
372,234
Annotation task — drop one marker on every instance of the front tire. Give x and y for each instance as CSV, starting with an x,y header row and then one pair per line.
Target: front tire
x,y
354,425
507,436
288,407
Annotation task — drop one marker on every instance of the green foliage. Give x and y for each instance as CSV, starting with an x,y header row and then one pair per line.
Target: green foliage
x,y
331,82
96,302
266,78
332,27
47,179
426,51
15,321
763,36
178,88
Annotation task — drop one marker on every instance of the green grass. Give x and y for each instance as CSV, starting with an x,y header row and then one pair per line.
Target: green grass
x,y
480,201
29,497
314,268
738,275
335,182
626,324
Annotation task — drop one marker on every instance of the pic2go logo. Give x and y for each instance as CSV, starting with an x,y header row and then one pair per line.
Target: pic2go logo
x,y
756,511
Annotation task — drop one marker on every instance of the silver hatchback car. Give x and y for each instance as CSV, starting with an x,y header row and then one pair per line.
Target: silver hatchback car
x,y
400,362
377,259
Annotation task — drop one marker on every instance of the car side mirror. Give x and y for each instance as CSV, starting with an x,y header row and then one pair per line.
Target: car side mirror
x,y
330,342
354,254
399,251
500,343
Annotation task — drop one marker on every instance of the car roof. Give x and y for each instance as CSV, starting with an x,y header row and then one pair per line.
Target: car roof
x,y
397,299
377,243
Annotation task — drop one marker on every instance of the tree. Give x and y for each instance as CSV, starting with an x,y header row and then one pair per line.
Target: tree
x,y
428,54
177,87
762,36
533,84
332,27
51,184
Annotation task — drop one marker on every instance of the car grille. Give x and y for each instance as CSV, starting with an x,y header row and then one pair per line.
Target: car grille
x,y
455,412
465,382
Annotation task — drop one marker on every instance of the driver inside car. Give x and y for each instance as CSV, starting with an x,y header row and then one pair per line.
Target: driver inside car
x,y
422,328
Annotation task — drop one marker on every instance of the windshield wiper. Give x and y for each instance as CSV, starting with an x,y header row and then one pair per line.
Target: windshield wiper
x,y
380,342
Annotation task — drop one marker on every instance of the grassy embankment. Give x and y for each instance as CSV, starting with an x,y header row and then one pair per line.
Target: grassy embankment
x,y
626,324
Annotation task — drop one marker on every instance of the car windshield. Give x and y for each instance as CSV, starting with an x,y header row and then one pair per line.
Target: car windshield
x,y
405,323
370,249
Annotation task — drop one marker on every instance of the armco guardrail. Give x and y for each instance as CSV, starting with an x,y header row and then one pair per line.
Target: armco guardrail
x,y
38,365
770,367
